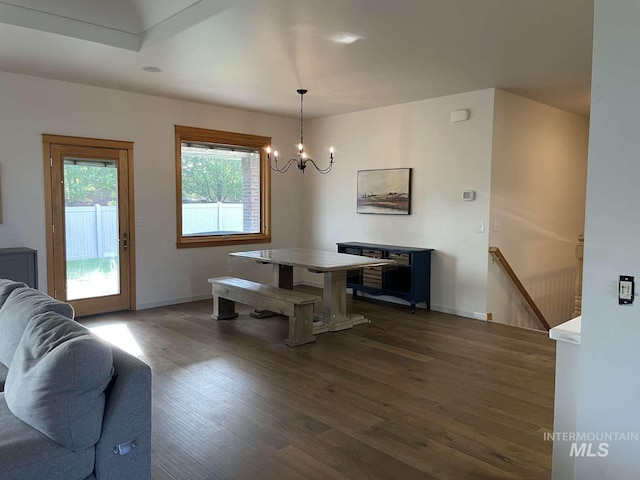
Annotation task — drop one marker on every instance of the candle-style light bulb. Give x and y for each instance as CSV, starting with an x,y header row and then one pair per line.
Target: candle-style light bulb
x,y
300,147
268,150
304,155
331,153
275,154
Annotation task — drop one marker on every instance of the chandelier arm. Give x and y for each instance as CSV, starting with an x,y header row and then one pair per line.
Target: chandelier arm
x,y
284,168
321,170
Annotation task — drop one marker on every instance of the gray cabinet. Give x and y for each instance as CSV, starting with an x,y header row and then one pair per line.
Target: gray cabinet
x,y
19,264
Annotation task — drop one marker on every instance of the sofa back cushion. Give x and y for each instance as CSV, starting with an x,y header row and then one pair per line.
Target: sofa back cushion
x,y
22,305
6,287
57,380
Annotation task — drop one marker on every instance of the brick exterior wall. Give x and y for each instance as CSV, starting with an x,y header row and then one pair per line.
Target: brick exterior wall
x,y
251,194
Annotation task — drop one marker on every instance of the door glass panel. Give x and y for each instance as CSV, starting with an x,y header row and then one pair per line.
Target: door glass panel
x,y
91,227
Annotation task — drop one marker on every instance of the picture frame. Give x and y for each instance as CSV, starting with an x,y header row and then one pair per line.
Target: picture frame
x,y
384,191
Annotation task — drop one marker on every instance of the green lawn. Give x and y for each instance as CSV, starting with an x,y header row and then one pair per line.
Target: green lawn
x,y
78,269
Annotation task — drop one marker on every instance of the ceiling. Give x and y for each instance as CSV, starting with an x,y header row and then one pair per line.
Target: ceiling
x,y
254,54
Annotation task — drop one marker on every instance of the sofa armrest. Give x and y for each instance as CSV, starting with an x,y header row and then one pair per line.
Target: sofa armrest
x,y
127,418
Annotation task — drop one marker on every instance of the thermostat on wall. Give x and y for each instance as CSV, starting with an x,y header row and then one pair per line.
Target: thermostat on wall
x,y
469,195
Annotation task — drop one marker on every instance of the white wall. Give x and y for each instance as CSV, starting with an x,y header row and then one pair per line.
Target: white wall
x,y
446,158
31,106
609,384
538,181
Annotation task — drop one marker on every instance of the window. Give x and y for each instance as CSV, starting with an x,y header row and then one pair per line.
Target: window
x,y
222,188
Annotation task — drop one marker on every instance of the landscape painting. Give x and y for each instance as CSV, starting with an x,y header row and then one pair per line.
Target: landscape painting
x,y
386,192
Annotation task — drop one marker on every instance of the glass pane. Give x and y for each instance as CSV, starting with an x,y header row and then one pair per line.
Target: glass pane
x,y
91,224
220,190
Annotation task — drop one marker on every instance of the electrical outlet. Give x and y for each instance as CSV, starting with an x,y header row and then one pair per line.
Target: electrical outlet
x,y
626,290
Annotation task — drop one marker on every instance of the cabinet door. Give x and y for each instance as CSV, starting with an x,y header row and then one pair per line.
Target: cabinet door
x,y
20,267
422,276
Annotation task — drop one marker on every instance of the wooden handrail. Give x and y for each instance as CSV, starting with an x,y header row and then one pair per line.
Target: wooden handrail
x,y
519,286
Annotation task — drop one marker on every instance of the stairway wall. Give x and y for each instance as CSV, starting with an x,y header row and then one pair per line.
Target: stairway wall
x,y
538,188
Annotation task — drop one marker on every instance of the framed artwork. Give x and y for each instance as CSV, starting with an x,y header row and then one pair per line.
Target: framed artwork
x,y
384,192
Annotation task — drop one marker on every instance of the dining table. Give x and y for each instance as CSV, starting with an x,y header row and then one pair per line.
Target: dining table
x,y
333,266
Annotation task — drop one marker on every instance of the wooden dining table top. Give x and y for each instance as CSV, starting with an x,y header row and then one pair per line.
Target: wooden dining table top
x,y
315,260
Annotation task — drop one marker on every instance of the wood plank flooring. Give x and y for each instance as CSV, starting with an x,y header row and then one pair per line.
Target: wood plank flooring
x,y
424,396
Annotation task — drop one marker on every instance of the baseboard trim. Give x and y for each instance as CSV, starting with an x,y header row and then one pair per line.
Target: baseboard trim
x,y
399,301
174,301
460,313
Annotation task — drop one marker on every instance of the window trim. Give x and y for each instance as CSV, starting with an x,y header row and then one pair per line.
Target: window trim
x,y
193,134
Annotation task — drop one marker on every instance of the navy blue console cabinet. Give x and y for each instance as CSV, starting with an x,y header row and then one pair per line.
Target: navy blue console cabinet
x,y
410,280
19,264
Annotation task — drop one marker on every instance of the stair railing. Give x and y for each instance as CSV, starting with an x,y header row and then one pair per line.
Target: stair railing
x,y
502,261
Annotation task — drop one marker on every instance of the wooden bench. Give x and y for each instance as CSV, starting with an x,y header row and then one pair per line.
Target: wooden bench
x,y
297,306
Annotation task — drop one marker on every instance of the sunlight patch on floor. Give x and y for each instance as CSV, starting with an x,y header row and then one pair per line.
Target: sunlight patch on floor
x,y
119,335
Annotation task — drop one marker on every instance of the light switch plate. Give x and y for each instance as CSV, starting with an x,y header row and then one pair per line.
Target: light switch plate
x,y
626,290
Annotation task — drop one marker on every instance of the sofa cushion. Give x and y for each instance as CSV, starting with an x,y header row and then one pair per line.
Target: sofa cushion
x,y
28,453
57,379
22,305
6,287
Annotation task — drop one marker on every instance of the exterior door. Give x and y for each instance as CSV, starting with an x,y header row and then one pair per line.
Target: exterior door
x,y
90,248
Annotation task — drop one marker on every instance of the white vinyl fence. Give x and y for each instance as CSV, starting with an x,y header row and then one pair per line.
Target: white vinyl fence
x,y
211,217
92,232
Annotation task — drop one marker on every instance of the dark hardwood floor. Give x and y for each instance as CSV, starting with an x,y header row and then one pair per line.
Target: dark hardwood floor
x,y
424,396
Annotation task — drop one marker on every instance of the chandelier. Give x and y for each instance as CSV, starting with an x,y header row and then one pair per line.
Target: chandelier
x,y
302,160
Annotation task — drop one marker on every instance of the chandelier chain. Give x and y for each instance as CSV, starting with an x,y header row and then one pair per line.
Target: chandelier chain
x,y
301,121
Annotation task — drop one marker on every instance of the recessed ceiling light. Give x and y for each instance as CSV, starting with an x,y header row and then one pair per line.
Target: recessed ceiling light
x,y
152,69
345,38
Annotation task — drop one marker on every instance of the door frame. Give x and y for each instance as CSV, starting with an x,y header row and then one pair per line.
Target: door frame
x,y
47,141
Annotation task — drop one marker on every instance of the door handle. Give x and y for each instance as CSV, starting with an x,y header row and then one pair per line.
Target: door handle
x,y
125,241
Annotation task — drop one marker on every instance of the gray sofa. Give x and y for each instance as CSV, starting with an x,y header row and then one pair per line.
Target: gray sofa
x,y
72,407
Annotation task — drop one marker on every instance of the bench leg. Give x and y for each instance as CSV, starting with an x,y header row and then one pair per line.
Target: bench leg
x,y
301,326
223,309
